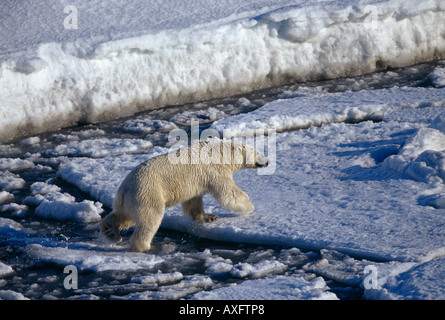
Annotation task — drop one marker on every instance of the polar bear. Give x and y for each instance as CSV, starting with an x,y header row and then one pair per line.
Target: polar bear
x,y
183,176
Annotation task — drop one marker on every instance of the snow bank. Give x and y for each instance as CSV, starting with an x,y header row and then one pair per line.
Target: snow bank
x,y
172,52
272,288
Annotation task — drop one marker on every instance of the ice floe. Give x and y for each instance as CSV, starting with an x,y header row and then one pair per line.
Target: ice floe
x,y
272,288
346,200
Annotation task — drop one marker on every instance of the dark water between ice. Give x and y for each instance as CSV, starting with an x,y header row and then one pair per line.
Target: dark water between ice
x,y
43,281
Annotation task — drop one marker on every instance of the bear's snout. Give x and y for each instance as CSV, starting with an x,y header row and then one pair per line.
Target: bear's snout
x,y
262,165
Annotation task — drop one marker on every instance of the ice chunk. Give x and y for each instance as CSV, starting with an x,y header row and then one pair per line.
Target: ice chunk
x,y
159,278
12,164
10,181
30,141
5,196
424,139
43,188
86,211
217,265
422,157
437,77
422,282
51,197
203,116
149,126
5,270
439,123
16,209
349,271
51,203
11,295
11,224
93,260
272,288
97,148
258,270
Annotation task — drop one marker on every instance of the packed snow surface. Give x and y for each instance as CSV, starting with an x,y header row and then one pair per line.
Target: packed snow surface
x,y
69,62
356,189
352,191
331,187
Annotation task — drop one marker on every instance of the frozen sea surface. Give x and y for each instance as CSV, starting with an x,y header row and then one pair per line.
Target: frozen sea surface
x,y
348,200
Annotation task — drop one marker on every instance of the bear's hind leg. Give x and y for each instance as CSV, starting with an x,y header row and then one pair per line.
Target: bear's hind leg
x,y
146,228
194,209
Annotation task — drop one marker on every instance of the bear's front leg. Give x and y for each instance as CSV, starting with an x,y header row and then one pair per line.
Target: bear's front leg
x,y
194,209
231,197
240,202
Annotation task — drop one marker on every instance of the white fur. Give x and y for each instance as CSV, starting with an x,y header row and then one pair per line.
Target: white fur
x,y
180,177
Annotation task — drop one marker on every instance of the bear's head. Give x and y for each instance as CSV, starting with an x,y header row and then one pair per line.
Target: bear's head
x,y
248,157
233,154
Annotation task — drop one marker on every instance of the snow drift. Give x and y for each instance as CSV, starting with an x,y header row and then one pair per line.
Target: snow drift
x,y
150,57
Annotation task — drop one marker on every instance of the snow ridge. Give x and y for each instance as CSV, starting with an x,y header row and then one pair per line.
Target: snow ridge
x,y
89,80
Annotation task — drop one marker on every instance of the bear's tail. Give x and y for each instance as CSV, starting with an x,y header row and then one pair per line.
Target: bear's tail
x,y
110,228
110,224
